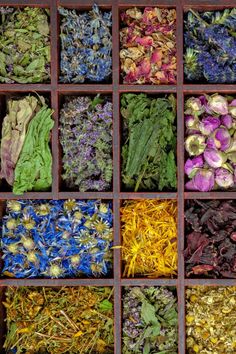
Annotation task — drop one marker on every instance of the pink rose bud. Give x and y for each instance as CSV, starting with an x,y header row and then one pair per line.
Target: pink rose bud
x,y
194,106
203,180
218,104
191,166
191,122
214,158
195,144
222,139
224,178
208,125
232,108
227,121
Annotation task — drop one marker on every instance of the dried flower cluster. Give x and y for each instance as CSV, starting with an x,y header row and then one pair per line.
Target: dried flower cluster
x,y
211,238
210,320
149,238
24,45
150,320
26,159
86,45
149,142
210,142
56,321
148,46
210,46
86,139
57,239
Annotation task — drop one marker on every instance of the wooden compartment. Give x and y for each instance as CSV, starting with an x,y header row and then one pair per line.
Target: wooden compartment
x,y
57,90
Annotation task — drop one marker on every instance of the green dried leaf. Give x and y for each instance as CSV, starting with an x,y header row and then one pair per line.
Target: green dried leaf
x,y
148,313
105,305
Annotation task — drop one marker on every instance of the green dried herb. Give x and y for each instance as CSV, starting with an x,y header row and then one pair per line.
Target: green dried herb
x,y
150,321
149,142
68,320
24,45
20,111
34,168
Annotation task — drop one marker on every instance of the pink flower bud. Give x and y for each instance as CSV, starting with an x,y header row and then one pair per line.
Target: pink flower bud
x,y
208,125
214,158
224,178
218,104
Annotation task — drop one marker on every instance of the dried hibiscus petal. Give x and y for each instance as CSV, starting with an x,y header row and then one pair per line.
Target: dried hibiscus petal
x,y
148,38
210,239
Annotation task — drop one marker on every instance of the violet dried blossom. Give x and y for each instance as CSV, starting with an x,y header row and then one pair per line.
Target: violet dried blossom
x,y
86,45
86,140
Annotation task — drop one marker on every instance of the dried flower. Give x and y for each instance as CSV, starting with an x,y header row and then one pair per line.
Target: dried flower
x,y
149,238
214,137
210,238
224,178
148,46
86,139
25,45
202,181
218,104
80,320
208,125
210,46
58,243
195,144
210,318
191,166
86,45
214,158
227,121
148,313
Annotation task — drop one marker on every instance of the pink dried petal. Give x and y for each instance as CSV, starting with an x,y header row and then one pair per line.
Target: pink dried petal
x,y
145,66
156,56
145,42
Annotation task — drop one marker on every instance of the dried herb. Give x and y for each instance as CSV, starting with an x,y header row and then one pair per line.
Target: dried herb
x,y
210,46
24,45
150,320
211,238
86,139
210,319
64,320
57,238
34,167
86,45
149,238
20,111
210,142
148,46
149,142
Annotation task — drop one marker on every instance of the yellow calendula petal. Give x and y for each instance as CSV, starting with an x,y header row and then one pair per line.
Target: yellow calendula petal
x,y
79,334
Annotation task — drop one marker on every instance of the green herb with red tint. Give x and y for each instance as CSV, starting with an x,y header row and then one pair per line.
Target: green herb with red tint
x,y
148,46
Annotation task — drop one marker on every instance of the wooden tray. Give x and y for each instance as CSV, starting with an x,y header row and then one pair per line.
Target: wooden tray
x,y
55,91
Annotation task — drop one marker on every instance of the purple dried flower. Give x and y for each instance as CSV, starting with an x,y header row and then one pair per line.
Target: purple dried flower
x,y
218,104
208,125
191,165
222,139
86,139
214,158
227,121
224,178
203,181
232,108
191,122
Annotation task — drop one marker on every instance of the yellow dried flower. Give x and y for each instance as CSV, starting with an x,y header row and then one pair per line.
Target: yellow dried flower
x,y
149,238
210,319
